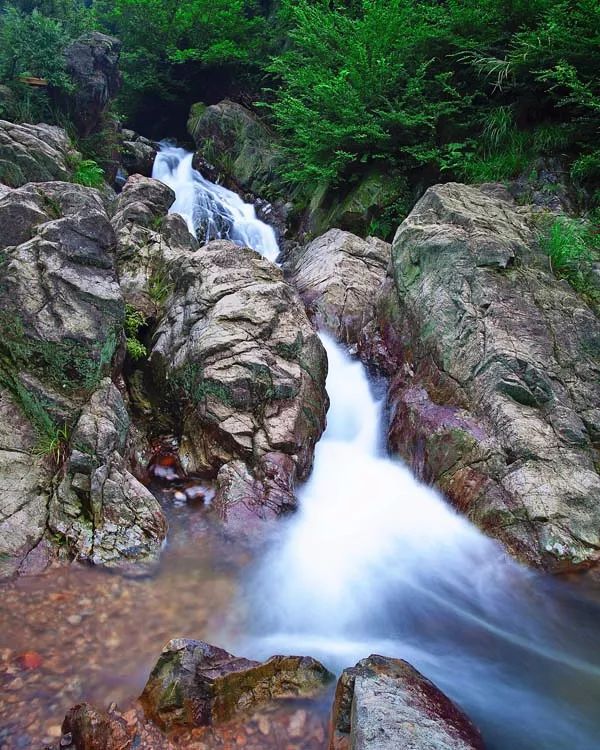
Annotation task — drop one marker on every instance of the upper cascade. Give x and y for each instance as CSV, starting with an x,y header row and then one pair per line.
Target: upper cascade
x,y
211,211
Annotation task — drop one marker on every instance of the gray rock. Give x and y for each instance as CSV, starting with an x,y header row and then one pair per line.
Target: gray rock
x,y
385,704
137,153
101,511
33,153
237,353
338,276
92,61
60,304
147,240
496,392
24,486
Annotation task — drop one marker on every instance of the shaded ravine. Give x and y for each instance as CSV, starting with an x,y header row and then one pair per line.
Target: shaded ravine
x,y
375,561
372,561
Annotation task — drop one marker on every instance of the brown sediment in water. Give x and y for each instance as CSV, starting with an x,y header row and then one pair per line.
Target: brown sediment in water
x,y
78,634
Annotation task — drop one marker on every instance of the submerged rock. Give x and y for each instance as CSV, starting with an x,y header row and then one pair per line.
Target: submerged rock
x,y
196,684
385,704
238,357
87,728
495,368
338,276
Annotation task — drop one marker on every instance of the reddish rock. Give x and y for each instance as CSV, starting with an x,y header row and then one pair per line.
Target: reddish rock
x,y
493,366
385,704
87,728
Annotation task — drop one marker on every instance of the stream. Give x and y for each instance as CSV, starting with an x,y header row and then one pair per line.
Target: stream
x,y
372,562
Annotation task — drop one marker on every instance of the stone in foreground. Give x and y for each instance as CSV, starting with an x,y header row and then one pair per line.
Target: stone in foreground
x,y
196,684
385,704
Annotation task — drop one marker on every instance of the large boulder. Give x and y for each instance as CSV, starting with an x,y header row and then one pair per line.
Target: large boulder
x,y
196,684
338,276
33,153
385,704
92,61
239,359
64,470
61,308
147,238
495,392
98,508
232,138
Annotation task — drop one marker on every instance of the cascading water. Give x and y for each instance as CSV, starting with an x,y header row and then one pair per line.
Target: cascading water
x,y
211,211
374,561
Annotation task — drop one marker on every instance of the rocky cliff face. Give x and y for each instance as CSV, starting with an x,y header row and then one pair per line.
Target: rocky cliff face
x,y
494,368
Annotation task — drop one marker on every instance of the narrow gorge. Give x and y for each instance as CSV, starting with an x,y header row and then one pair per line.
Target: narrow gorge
x,y
299,438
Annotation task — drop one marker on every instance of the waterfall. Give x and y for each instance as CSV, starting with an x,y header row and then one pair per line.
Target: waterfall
x,y
375,561
211,211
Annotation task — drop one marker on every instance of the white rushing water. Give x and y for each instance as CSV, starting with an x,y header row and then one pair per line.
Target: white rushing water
x,y
375,561
211,211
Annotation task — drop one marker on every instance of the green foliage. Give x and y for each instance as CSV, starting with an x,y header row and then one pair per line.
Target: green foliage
x,y
134,320
33,36
67,364
573,248
89,173
159,285
54,444
355,91
474,88
169,43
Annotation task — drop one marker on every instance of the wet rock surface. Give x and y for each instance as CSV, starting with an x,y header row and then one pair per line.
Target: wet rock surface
x,y
33,153
495,364
385,704
237,352
24,489
196,684
338,276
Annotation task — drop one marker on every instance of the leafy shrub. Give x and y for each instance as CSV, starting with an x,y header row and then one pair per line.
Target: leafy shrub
x,y
573,248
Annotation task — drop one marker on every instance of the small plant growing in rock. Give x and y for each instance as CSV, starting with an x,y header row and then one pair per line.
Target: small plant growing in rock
x,y
159,285
573,249
134,320
54,444
88,173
